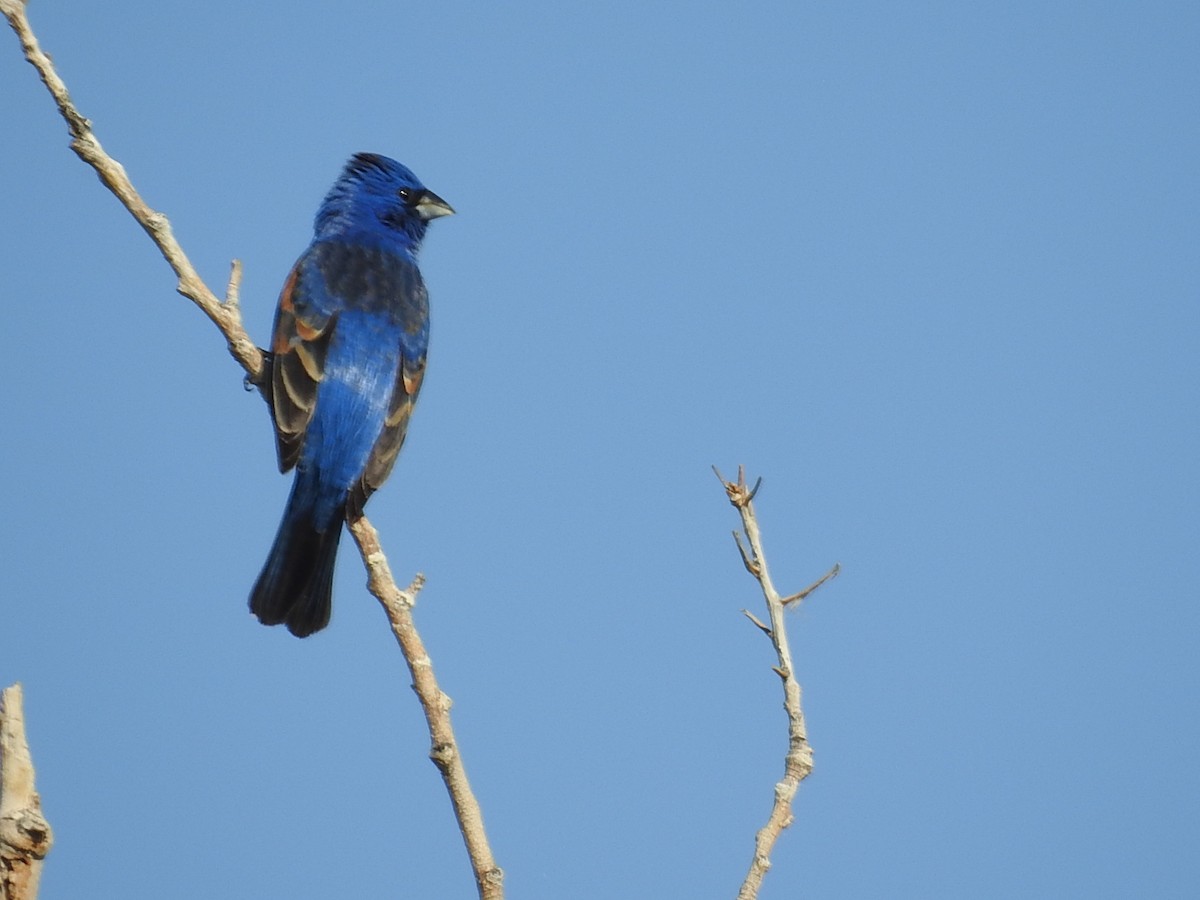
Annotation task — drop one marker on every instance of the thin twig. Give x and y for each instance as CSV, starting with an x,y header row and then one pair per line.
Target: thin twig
x,y
798,762
803,595
398,605
226,315
25,836
766,629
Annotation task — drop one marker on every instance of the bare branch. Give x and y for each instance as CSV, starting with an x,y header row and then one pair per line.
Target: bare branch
x,y
226,315
25,836
398,605
798,762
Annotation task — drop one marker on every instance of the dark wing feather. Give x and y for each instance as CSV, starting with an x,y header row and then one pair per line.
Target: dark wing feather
x,y
299,346
395,428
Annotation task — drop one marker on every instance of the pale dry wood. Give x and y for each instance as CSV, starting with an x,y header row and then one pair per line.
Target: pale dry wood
x,y
444,752
25,835
227,317
798,762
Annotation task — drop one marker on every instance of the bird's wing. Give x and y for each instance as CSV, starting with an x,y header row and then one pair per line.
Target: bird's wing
x,y
412,306
303,326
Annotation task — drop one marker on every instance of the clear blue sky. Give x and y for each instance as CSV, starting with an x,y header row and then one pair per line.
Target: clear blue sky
x,y
930,269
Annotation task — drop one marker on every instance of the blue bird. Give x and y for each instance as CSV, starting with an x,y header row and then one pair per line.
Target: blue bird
x,y
346,363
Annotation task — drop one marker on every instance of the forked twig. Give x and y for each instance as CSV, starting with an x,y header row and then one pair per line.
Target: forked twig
x,y
798,762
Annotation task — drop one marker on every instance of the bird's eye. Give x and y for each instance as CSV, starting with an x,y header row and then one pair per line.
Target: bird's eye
x,y
404,194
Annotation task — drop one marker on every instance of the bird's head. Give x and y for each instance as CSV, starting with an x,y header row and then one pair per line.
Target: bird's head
x,y
378,197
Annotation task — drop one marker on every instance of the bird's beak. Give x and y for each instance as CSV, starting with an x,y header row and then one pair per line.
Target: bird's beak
x,y
431,206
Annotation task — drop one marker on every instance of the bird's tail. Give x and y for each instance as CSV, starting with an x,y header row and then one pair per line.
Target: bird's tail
x,y
296,584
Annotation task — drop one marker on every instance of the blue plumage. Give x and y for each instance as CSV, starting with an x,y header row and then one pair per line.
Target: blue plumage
x,y
348,356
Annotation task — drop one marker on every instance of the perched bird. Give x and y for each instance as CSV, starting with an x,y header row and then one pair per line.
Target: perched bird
x,y
347,358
